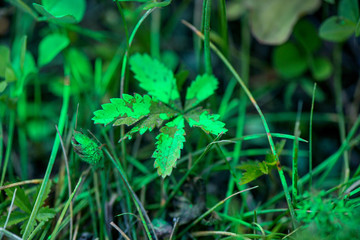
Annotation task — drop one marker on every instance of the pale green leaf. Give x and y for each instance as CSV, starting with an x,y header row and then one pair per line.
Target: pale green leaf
x,y
168,146
336,29
200,89
45,213
156,79
206,121
50,47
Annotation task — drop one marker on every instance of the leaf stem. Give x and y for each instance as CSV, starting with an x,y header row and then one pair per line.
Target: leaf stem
x,y
207,52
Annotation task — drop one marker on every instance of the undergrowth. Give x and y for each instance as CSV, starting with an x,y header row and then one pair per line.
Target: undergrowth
x,y
179,120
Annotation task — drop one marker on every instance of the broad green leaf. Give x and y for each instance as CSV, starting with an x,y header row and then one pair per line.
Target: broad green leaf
x,y
130,108
288,61
4,59
208,122
357,29
155,78
80,65
200,89
3,85
150,5
50,47
349,9
168,146
272,21
64,11
336,29
21,199
322,68
252,170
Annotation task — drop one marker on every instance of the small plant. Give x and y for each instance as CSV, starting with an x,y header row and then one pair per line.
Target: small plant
x,y
162,104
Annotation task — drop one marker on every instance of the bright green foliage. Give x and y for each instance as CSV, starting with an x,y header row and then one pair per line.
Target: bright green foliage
x,y
22,214
65,11
337,29
163,105
200,89
87,149
50,47
254,169
206,121
168,146
156,79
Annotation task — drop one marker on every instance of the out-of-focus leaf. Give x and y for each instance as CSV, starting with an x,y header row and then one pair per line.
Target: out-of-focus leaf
x,y
349,9
200,89
168,146
80,65
39,129
50,47
64,11
151,4
272,21
306,34
208,122
288,61
357,29
322,68
4,59
155,78
336,29
307,85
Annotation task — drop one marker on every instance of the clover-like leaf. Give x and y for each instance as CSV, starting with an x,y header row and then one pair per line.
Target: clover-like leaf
x,y
168,146
155,78
201,88
206,121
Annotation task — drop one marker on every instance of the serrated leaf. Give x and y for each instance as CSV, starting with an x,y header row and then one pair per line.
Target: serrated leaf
x,y
252,170
21,199
270,158
87,149
46,192
131,107
201,88
50,47
45,213
15,218
168,146
206,121
156,79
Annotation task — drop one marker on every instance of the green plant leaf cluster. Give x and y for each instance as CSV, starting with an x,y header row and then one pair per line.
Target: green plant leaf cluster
x,y
144,113
22,214
253,169
340,28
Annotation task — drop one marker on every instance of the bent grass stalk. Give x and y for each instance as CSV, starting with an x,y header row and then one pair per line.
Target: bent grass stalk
x,y
253,101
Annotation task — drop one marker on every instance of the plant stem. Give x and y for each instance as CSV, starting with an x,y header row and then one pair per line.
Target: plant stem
x,y
62,120
155,34
295,175
207,52
267,130
310,136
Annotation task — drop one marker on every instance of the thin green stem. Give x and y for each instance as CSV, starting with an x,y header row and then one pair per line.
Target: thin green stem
x,y
339,106
8,146
295,175
155,34
62,120
224,27
207,52
310,135
267,130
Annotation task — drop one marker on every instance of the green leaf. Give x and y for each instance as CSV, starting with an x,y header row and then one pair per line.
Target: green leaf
x,y
150,5
357,29
288,61
21,199
80,65
64,11
168,146
207,122
322,69
3,85
45,213
272,21
252,170
126,110
307,35
270,158
50,47
349,9
87,149
336,29
200,89
15,218
155,78
4,59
